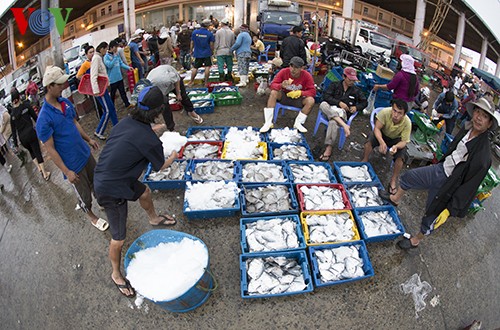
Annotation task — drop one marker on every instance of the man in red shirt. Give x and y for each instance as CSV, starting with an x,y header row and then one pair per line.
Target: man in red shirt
x,y
294,87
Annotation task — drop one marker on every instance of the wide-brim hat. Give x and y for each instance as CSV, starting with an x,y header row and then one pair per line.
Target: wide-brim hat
x,y
483,104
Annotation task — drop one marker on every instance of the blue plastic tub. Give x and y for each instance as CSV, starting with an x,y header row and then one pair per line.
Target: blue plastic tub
x,y
165,185
380,238
211,213
273,146
207,109
301,141
301,258
363,252
195,162
338,165
242,163
322,164
244,221
377,184
194,129
195,296
245,213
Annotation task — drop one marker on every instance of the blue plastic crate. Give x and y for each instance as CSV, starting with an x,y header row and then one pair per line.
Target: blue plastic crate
x,y
382,104
262,136
337,165
445,144
195,162
322,164
244,221
242,163
380,80
319,97
303,139
201,89
217,89
194,129
392,212
272,146
348,185
207,109
165,185
301,258
213,213
383,95
293,198
363,252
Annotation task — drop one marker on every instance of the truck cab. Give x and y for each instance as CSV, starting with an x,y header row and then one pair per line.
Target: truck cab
x,y
371,41
277,17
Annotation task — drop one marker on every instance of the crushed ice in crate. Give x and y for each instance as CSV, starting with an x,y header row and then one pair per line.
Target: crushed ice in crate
x,y
355,173
285,135
210,195
172,141
363,196
378,223
271,235
290,152
213,170
262,172
322,198
274,275
201,150
238,149
341,263
330,227
247,134
271,198
213,134
175,171
309,173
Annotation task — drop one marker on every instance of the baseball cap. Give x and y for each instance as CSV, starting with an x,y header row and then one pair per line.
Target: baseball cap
x,y
54,74
350,73
184,26
150,98
225,21
134,36
206,22
138,31
297,62
147,36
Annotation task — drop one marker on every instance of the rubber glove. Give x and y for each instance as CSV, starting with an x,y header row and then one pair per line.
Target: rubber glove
x,y
441,218
294,94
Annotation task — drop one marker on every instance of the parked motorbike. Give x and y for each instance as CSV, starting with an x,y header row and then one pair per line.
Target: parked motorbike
x,y
378,58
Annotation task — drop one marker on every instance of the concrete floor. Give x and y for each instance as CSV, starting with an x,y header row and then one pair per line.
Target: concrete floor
x,y
54,271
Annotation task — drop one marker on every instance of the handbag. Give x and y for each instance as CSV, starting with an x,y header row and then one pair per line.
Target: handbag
x,y
85,86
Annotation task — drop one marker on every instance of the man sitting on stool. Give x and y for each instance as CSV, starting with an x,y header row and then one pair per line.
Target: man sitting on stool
x,y
392,130
341,99
294,87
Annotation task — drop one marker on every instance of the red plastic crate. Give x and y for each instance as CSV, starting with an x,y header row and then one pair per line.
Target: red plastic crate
x,y
176,106
218,143
340,187
211,85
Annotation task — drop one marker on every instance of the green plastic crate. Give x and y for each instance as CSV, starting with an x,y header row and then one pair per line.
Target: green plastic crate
x,y
425,124
490,181
235,101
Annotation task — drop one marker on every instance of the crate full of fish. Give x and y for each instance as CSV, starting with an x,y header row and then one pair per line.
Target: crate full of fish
x,y
197,91
267,199
355,172
173,177
425,124
244,134
225,89
322,197
275,274
228,98
310,172
286,135
213,170
211,199
204,106
263,171
328,227
201,150
377,224
364,194
340,263
241,150
201,97
212,85
289,151
206,133
272,233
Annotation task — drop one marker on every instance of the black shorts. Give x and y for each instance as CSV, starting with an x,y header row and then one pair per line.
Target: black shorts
x,y
298,102
204,61
116,210
390,142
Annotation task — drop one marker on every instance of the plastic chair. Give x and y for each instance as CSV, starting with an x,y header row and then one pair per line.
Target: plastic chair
x,y
283,108
372,116
321,119
310,69
264,54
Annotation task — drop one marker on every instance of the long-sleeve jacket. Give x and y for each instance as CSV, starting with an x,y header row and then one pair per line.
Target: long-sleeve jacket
x,y
21,121
304,82
448,111
353,96
113,63
292,46
165,48
242,44
224,39
459,189
97,68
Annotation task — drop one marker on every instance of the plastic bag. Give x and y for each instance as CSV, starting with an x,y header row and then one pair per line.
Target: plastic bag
x,y
418,290
371,103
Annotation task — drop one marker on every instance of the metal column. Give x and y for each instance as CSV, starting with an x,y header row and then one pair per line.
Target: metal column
x,y
55,40
347,8
482,58
460,38
11,45
239,12
418,28
497,70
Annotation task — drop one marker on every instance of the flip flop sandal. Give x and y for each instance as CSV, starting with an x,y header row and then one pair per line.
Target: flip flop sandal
x,y
164,221
405,244
392,190
387,197
101,224
197,119
47,178
324,158
125,286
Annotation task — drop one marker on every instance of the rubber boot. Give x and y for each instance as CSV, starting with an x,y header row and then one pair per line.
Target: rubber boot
x,y
243,81
299,121
268,117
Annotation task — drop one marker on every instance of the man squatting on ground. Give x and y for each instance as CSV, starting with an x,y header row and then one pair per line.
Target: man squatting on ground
x,y
294,87
121,164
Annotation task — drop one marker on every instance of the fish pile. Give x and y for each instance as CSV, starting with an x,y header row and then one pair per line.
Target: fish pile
x,y
378,223
210,195
330,227
213,170
274,275
201,150
221,83
228,97
200,92
206,135
271,198
285,135
322,198
174,172
226,89
290,152
363,196
262,172
245,150
355,173
427,122
247,134
201,97
341,263
271,235
309,173
202,104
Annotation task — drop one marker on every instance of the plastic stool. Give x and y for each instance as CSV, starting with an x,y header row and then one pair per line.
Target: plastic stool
x,y
283,108
321,119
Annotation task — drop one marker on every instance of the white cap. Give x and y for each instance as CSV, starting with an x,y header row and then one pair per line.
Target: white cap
x,y
139,30
54,74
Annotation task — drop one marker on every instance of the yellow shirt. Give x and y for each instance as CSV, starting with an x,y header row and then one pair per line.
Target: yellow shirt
x,y
260,46
391,130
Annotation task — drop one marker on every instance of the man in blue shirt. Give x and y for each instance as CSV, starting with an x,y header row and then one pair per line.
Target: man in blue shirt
x,y
446,107
65,140
135,54
202,46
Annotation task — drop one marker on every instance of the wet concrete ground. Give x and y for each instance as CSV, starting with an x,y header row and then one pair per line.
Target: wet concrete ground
x,y
54,271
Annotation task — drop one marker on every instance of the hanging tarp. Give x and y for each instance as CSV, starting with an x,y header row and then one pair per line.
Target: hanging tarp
x,y
491,80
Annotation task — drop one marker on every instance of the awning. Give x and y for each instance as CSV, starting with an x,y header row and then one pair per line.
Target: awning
x,y
491,80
